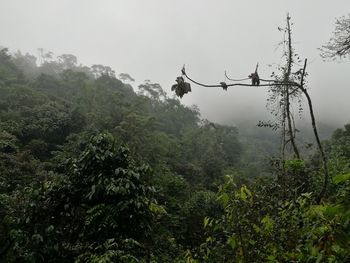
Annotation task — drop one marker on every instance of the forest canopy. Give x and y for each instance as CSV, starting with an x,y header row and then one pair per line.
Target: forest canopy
x,y
93,171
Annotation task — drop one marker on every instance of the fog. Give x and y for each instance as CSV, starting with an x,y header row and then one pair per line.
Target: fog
x,y
153,39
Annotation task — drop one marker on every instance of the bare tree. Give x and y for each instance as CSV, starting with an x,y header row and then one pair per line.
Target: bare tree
x,y
281,97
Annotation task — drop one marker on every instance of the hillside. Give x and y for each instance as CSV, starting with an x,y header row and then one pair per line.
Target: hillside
x,y
92,171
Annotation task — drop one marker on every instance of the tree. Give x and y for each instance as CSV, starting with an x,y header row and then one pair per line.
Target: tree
x,y
125,77
9,73
339,45
26,63
258,227
67,61
283,96
101,209
152,90
100,70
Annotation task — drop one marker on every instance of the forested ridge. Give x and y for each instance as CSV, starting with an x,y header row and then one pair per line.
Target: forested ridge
x,y
92,171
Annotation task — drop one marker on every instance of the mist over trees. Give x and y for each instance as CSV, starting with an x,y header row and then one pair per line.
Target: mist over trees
x,y
93,171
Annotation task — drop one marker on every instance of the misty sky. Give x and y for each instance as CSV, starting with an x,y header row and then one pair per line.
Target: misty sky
x,y
152,39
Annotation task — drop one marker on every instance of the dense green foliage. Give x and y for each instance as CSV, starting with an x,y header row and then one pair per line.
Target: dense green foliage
x,y
91,171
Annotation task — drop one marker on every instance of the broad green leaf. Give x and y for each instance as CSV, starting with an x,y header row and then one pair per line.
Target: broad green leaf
x,y
341,178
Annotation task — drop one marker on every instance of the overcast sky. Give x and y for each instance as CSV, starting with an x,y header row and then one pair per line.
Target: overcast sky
x,y
152,39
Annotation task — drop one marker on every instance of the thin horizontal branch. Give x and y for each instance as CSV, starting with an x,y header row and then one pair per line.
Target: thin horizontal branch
x,y
272,83
234,79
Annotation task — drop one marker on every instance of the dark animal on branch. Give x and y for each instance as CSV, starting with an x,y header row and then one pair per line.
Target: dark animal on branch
x,y
223,85
255,77
181,87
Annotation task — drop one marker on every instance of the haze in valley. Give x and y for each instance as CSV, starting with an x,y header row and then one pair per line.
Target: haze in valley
x,y
153,39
